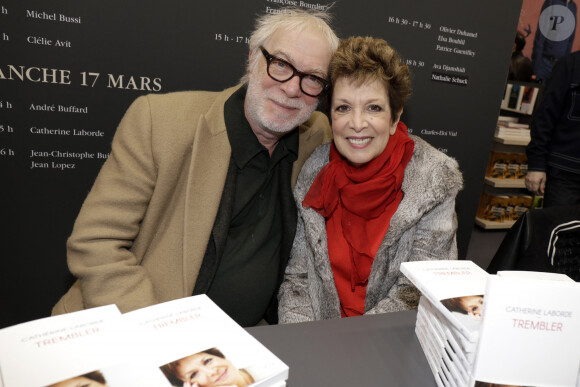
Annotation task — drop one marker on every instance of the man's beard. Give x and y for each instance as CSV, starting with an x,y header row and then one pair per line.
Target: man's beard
x,y
257,98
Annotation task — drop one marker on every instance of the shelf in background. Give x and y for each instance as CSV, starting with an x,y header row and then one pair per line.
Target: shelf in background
x,y
505,183
512,140
526,113
491,225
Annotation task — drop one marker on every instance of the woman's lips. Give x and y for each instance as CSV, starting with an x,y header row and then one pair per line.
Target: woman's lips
x,y
359,141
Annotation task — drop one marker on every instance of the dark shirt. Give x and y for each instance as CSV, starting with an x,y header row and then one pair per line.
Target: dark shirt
x,y
247,276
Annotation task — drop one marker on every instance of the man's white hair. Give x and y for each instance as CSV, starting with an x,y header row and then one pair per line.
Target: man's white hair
x,y
289,19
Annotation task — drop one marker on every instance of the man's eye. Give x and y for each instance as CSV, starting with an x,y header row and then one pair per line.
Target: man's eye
x,y
313,80
279,64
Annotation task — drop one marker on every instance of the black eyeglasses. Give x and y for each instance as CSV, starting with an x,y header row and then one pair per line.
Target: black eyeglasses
x,y
282,71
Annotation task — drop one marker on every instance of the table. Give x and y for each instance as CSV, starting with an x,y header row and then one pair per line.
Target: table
x,y
375,350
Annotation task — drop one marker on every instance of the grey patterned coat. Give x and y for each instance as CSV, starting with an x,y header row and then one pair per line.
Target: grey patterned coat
x,y
422,228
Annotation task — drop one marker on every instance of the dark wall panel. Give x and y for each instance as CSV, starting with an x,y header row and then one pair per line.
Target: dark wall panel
x,y
69,70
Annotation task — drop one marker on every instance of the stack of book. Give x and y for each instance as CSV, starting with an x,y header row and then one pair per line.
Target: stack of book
x,y
504,165
513,328
513,130
503,208
449,315
186,342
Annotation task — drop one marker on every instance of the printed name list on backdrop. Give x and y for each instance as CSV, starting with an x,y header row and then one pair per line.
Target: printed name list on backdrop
x,y
69,70
449,40
36,117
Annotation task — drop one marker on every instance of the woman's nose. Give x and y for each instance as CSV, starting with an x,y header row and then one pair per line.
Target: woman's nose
x,y
358,121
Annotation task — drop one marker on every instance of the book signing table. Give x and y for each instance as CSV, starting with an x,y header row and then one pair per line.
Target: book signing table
x,y
373,350
471,329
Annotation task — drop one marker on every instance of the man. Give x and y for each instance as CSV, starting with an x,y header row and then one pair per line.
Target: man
x,y
520,66
554,150
196,194
554,36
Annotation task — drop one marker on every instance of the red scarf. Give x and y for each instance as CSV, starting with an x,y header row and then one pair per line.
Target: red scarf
x,y
358,204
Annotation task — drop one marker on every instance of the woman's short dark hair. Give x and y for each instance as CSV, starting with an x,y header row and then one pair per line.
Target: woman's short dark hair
x,y
170,369
454,304
365,58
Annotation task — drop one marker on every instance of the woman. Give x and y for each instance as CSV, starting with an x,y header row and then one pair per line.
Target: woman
x,y
208,368
369,200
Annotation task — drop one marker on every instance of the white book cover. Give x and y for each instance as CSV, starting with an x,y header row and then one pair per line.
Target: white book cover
x,y
453,358
508,119
501,131
511,122
464,348
438,361
50,350
530,333
506,97
440,379
534,275
192,342
437,346
455,288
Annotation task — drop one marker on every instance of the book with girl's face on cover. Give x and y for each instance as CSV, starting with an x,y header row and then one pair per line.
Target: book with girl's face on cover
x,y
455,288
186,342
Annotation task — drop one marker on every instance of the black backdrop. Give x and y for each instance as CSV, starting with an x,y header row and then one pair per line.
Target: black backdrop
x,y
69,70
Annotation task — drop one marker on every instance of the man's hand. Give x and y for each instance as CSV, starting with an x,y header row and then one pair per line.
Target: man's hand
x,y
536,182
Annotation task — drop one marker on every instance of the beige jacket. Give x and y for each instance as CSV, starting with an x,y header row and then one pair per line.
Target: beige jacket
x,y
142,232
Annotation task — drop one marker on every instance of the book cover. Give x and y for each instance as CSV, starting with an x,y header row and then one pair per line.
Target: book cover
x,y
186,342
454,287
191,340
453,354
534,275
515,97
438,375
506,123
530,333
528,99
439,348
506,97
436,356
50,350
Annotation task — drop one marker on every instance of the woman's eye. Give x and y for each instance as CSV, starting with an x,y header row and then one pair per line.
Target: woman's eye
x,y
341,108
193,376
207,361
375,108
